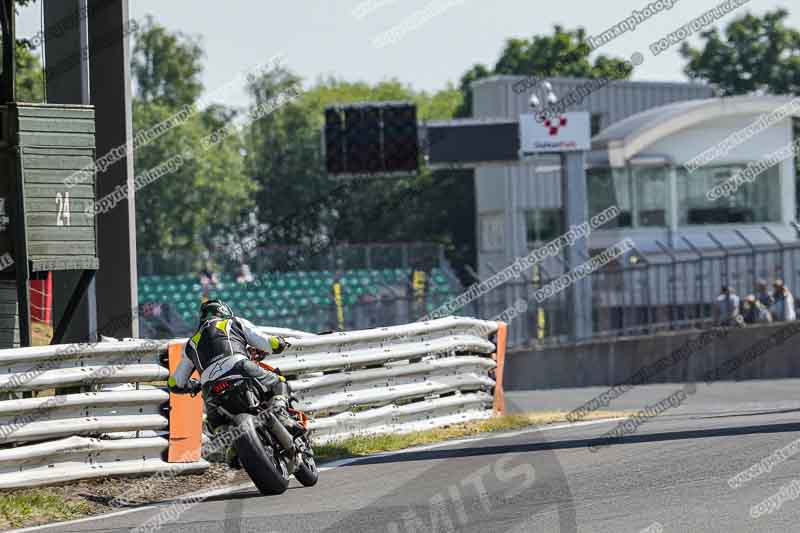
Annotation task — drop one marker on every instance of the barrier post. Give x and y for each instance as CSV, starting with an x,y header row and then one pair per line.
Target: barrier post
x,y
185,417
500,357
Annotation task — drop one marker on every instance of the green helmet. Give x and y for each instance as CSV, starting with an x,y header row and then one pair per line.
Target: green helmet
x,y
214,309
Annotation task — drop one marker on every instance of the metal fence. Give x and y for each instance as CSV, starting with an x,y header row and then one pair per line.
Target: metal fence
x,y
664,291
423,255
384,380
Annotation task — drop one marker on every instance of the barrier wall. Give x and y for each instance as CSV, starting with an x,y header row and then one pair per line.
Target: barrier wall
x,y
751,352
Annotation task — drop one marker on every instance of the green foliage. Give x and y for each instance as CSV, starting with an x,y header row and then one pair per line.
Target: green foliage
x,y
755,55
564,53
166,66
185,209
302,205
30,82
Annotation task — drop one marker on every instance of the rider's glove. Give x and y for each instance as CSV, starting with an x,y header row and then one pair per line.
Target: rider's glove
x,y
278,344
193,387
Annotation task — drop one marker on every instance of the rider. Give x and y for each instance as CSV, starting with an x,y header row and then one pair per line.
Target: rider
x,y
219,349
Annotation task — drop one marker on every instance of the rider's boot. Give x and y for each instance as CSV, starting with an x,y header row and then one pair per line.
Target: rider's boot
x,y
280,407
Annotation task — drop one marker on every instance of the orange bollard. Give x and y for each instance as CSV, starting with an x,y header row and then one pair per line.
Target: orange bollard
x,y
185,418
500,358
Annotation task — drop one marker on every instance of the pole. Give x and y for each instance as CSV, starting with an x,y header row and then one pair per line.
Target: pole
x,y
576,211
9,90
68,83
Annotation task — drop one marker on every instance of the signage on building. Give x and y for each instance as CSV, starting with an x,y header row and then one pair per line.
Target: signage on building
x,y
569,132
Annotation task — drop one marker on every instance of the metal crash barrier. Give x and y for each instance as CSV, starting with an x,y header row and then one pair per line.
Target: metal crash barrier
x,y
123,421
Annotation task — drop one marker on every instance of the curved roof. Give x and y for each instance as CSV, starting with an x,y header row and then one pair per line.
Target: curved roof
x,y
629,137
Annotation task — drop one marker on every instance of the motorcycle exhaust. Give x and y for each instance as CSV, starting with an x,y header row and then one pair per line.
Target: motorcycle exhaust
x,y
280,432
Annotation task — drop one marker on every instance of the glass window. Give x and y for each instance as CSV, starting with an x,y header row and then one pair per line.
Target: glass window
x,y
759,201
544,225
607,187
652,195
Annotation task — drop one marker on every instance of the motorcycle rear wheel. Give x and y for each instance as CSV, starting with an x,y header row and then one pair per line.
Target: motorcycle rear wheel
x,y
265,468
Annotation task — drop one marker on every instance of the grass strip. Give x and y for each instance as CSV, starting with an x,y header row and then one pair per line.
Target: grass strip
x,y
371,444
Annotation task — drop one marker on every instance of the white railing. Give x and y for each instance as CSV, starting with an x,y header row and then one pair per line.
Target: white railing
x,y
392,379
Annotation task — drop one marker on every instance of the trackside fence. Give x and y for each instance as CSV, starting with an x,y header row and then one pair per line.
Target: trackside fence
x,y
80,411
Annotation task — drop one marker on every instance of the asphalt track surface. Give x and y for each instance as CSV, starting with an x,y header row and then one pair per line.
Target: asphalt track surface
x,y
671,474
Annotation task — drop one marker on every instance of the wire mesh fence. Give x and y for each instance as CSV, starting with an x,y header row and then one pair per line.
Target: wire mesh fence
x,y
666,291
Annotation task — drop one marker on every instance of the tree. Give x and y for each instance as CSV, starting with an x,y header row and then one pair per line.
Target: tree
x,y
30,79
754,55
565,53
301,205
166,66
209,192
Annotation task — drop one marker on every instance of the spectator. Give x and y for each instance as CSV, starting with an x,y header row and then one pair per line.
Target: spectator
x,y
208,279
726,310
783,308
763,294
245,275
754,312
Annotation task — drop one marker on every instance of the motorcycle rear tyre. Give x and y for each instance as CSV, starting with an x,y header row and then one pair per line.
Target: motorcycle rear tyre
x,y
268,472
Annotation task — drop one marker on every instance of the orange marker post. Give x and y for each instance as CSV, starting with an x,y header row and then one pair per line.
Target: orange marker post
x,y
500,358
185,418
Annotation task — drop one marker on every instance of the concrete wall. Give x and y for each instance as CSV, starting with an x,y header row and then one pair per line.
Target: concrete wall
x,y
614,361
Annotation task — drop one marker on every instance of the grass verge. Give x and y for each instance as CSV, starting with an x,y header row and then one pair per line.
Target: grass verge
x,y
38,506
362,446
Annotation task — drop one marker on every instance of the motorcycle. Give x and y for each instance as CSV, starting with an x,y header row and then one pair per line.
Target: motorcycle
x,y
267,451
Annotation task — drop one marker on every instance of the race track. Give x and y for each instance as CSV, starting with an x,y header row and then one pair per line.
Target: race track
x,y
670,475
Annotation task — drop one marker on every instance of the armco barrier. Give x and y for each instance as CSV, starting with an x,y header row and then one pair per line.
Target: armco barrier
x,y
398,378
391,379
54,436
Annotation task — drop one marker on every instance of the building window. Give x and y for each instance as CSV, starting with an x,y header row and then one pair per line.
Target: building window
x,y
544,225
608,187
652,196
758,201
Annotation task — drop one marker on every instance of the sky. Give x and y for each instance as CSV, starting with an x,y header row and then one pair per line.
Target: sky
x,y
435,41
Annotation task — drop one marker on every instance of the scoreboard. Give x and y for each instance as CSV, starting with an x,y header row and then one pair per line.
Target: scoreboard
x,y
47,190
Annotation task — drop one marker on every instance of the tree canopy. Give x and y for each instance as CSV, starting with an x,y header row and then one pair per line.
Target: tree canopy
x,y
564,53
753,55
210,191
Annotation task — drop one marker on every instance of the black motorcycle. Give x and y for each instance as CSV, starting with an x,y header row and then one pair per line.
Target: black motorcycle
x,y
267,451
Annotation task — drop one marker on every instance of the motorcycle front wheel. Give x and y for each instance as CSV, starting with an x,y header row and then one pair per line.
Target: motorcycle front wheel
x,y
262,464
307,473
